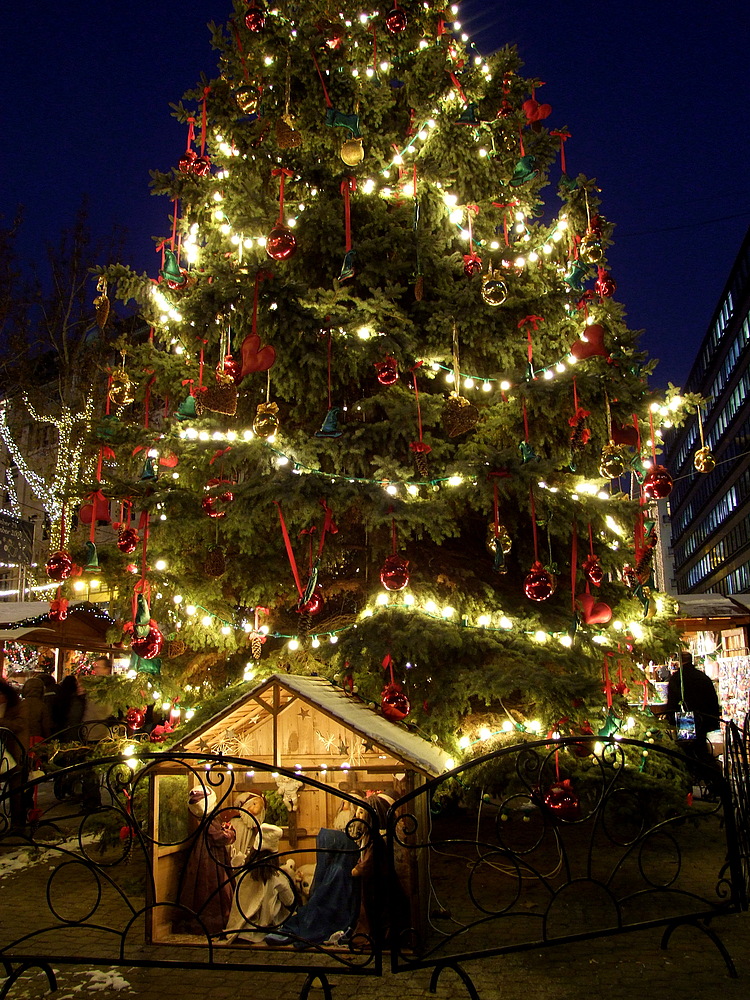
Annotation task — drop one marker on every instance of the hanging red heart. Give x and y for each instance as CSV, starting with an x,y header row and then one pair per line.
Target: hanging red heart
x,y
591,344
593,613
95,508
535,111
254,357
169,460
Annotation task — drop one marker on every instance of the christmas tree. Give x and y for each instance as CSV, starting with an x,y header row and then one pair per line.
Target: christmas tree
x,y
389,424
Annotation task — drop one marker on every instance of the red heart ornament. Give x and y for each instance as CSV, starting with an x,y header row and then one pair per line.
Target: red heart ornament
x,y
535,111
591,612
591,344
254,357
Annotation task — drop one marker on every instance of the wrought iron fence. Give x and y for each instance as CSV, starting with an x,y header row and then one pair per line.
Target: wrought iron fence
x,y
169,862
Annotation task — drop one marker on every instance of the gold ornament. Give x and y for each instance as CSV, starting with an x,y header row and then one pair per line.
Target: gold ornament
x,y
247,100
120,388
266,420
502,539
352,152
215,563
591,249
174,647
287,136
613,461
494,289
703,460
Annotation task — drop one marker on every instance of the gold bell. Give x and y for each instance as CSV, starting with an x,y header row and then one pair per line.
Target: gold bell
x,y
352,152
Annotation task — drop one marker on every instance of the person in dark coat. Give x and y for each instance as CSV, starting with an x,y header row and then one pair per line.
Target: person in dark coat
x,y
68,707
14,742
692,688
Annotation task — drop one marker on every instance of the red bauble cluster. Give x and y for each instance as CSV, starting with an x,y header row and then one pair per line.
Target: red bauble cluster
x,y
393,702
192,163
562,801
605,286
59,566
593,570
387,370
149,645
396,21
658,483
211,500
127,540
539,583
395,573
58,610
280,243
314,604
134,718
472,265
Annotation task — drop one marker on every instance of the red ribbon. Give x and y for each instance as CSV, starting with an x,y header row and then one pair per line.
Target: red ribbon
x,y
416,397
457,85
219,454
206,92
533,523
563,136
329,525
607,680
290,551
574,565
241,51
190,135
328,101
282,173
348,185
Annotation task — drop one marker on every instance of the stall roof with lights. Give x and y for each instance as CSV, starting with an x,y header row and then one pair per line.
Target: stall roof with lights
x,y
713,611
262,708
85,627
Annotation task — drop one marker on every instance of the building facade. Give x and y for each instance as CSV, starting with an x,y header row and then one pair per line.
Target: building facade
x,y
709,512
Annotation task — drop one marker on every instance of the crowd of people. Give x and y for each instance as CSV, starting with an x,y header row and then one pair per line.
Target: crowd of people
x,y
40,710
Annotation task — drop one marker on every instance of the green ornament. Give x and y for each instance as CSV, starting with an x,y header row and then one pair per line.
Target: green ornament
x,y
172,273
92,559
527,452
186,410
611,725
524,170
142,666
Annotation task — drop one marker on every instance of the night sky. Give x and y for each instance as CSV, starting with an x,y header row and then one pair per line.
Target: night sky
x,y
655,96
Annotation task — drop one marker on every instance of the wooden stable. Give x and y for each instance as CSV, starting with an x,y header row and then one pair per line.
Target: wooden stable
x,y
313,729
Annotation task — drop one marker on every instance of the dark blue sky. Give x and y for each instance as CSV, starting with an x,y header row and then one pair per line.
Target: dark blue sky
x,y
654,94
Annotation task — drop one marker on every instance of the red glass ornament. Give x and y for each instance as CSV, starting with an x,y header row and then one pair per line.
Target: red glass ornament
x,y
187,160
658,483
562,801
393,703
255,19
395,573
209,502
314,605
472,265
127,540
387,370
201,166
539,583
281,244
593,571
149,645
396,21
231,368
59,566
630,577
134,719
605,285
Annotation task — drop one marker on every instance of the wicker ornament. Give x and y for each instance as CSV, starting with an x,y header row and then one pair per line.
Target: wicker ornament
x,y
703,460
121,388
613,462
459,415
174,647
421,450
215,564
220,398
287,137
